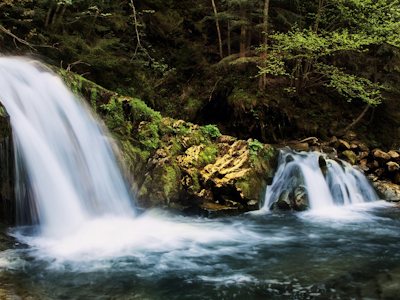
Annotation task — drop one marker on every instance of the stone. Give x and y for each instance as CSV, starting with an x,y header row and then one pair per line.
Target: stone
x,y
363,147
362,155
381,155
350,156
388,191
226,139
379,171
392,166
393,154
322,165
333,141
350,135
341,144
300,146
284,201
396,178
300,199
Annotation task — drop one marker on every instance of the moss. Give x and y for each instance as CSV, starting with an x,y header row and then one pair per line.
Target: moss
x,y
208,155
115,113
195,184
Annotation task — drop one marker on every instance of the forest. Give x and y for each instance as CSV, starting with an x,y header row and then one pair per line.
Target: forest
x,y
274,70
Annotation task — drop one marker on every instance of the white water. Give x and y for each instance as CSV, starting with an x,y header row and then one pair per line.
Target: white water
x,y
70,169
342,184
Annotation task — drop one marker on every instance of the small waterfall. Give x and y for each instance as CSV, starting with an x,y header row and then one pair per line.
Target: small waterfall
x,y
65,165
316,181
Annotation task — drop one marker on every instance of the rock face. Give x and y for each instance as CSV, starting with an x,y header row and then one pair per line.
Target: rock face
x,y
7,182
182,166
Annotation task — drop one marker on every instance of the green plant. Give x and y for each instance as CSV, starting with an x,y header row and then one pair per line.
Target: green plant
x,y
212,131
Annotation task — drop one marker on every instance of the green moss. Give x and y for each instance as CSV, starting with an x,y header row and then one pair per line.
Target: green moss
x,y
93,98
196,184
207,155
115,113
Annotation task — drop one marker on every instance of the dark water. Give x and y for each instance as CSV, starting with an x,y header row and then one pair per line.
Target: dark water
x,y
347,253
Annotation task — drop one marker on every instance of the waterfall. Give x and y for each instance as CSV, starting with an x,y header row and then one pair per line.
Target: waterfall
x,y
65,165
313,180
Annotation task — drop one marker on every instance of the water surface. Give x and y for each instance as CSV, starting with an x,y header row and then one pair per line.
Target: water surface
x,y
349,252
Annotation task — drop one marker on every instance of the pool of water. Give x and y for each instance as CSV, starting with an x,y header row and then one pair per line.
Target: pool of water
x,y
349,252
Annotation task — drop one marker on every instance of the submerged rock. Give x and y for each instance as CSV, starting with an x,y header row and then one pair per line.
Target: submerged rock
x,y
301,199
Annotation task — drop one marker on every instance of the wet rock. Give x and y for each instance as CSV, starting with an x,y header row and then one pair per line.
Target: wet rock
x,y
300,146
350,156
284,201
392,166
300,199
386,190
389,284
322,165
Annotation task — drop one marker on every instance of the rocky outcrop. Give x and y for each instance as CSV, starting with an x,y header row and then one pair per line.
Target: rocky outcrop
x,y
382,168
179,165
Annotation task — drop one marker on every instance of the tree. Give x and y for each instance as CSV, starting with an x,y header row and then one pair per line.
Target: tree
x,y
308,56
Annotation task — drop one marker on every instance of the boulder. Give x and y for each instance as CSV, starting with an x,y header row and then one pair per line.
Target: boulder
x,y
284,202
349,156
393,154
387,191
350,135
379,154
392,166
300,199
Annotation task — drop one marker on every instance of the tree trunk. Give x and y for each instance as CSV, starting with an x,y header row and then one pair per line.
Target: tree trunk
x,y
263,78
46,22
229,38
218,29
53,20
243,33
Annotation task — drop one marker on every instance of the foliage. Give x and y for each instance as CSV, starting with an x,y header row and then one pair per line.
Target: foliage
x,y
212,131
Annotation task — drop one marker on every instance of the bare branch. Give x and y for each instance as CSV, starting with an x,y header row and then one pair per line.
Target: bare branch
x,y
8,32
137,32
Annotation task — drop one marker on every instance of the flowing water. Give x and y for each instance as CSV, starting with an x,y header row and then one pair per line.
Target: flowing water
x,y
87,242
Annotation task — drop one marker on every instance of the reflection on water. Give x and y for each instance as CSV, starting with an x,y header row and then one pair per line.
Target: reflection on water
x,y
349,253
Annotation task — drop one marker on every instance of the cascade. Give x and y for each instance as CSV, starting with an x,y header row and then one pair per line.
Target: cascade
x,y
318,180
64,162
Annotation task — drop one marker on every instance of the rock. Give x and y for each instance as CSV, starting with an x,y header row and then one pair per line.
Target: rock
x,y
300,146
333,141
375,164
392,166
388,191
362,155
350,135
396,178
379,172
363,168
284,201
300,199
341,144
381,155
363,147
226,139
393,154
322,165
350,156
